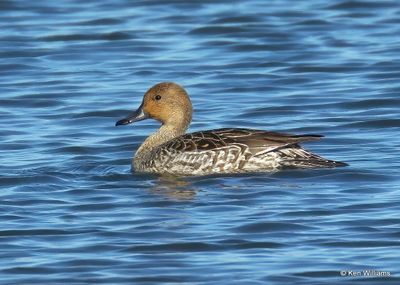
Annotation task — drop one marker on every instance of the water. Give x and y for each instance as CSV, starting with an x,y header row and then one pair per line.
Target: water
x,y
71,211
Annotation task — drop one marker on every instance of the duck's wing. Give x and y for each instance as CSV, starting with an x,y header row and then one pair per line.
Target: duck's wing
x,y
292,155
256,141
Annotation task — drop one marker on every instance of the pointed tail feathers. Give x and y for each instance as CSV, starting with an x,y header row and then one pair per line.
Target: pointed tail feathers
x,y
297,157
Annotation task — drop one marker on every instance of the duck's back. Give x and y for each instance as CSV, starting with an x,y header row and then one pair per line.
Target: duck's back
x,y
231,151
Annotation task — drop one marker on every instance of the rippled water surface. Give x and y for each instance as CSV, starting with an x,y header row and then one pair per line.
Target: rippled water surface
x,y
72,212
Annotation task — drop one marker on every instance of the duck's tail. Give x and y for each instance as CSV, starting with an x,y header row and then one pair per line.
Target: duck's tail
x,y
297,157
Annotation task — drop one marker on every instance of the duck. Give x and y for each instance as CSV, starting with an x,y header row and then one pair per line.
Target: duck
x,y
170,150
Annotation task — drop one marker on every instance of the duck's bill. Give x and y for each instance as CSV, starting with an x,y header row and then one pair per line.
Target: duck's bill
x,y
136,116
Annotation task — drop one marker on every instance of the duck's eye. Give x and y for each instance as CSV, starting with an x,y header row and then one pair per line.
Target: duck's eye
x,y
158,97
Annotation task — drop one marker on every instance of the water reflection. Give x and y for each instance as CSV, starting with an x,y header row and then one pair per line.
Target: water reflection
x,y
173,188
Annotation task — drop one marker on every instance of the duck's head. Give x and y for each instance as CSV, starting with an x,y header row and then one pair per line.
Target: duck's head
x,y
166,102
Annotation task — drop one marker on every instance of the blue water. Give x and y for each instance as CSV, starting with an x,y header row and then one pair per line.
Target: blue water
x,y
72,212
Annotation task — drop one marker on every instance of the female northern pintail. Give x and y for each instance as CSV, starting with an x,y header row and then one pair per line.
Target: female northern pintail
x,y
170,150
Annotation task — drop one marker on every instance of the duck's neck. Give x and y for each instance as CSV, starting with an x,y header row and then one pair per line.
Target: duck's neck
x,y
165,133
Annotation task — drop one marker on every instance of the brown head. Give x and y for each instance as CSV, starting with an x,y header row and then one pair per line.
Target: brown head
x,y
166,102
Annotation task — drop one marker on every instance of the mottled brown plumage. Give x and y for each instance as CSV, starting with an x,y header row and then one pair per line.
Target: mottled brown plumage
x,y
229,150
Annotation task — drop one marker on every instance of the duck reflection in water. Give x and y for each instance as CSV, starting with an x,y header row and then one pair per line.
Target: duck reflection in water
x,y
173,188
